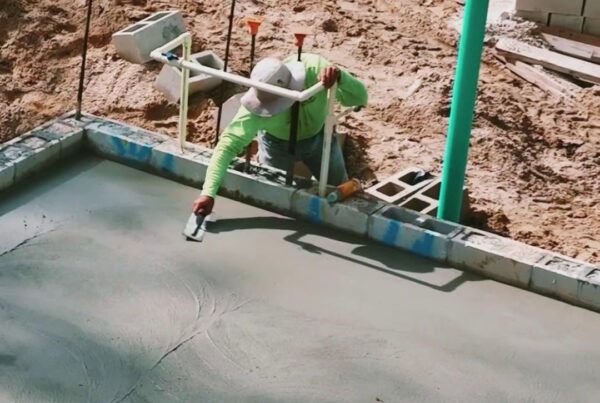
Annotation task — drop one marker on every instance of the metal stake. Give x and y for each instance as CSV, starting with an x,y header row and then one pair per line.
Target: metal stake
x,y
294,122
83,60
226,62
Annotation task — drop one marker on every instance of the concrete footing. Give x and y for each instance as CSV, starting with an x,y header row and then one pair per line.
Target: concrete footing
x,y
489,255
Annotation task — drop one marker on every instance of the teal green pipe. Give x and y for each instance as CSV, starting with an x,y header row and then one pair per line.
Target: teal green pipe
x,y
462,109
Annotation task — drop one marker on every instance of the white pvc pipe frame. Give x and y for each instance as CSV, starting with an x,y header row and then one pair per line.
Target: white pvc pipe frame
x,y
186,65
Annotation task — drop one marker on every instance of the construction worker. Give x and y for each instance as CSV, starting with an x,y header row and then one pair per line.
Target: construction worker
x,y
269,116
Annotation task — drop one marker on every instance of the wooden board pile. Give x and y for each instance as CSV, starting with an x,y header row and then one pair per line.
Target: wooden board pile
x,y
574,57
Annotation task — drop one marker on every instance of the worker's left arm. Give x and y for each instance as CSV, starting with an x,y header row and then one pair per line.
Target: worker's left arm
x,y
350,90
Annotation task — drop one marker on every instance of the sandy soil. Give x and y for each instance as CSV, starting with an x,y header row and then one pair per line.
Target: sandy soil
x,y
534,169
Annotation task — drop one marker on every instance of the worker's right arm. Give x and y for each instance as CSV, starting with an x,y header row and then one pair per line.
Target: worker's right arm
x,y
240,132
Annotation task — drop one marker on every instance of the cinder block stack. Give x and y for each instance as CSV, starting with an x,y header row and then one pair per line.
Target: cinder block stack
x,y
574,15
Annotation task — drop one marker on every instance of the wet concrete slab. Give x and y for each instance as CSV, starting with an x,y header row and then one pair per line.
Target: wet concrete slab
x,y
102,300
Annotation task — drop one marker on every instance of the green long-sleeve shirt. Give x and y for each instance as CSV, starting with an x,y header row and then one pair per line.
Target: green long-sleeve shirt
x,y
245,125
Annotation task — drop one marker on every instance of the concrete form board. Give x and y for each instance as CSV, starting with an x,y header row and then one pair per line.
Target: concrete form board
x,y
351,215
569,22
591,26
495,257
592,9
169,80
413,232
137,41
573,7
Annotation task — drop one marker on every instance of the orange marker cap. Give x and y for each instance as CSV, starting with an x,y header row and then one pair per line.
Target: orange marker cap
x,y
254,24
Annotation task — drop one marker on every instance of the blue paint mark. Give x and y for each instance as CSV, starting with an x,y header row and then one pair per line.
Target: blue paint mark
x,y
314,209
168,163
118,145
133,151
391,233
424,245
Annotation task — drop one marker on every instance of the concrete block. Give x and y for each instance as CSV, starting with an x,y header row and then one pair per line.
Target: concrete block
x,y
416,233
430,193
169,80
122,143
397,188
420,203
589,292
572,7
263,187
70,138
7,174
493,256
350,215
566,279
591,26
570,22
30,154
542,17
592,9
135,42
189,167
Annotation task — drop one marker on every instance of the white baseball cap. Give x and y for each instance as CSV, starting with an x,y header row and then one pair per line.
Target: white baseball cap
x,y
275,72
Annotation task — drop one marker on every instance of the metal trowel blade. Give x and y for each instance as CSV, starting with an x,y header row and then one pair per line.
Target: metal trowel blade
x,y
196,227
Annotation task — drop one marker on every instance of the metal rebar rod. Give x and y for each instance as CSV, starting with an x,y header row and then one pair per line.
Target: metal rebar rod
x,y
83,60
252,50
225,64
293,134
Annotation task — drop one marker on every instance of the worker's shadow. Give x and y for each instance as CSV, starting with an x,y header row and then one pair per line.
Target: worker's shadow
x,y
388,260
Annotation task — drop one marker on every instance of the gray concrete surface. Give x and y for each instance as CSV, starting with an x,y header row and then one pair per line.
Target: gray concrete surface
x,y
102,300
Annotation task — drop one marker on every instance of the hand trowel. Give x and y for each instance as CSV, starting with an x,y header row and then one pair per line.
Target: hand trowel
x,y
196,227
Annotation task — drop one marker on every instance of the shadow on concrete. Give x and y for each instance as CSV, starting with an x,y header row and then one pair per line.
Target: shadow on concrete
x,y
391,260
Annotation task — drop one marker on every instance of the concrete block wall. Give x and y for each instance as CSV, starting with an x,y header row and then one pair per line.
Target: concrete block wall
x,y
573,15
452,244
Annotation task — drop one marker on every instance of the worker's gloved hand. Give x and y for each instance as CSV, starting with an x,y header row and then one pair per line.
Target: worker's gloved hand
x,y
203,205
330,76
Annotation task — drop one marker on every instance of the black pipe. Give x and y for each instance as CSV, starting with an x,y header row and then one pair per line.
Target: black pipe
x,y
293,134
83,60
228,43
252,49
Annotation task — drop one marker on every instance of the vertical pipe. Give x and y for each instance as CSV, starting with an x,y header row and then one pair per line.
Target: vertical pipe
x,y
184,93
327,137
462,109
294,127
83,60
252,49
225,63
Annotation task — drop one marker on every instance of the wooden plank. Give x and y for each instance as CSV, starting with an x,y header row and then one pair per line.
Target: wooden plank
x,y
518,50
575,36
540,78
573,48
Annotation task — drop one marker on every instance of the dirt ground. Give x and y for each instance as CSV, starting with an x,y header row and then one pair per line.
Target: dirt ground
x,y
534,167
